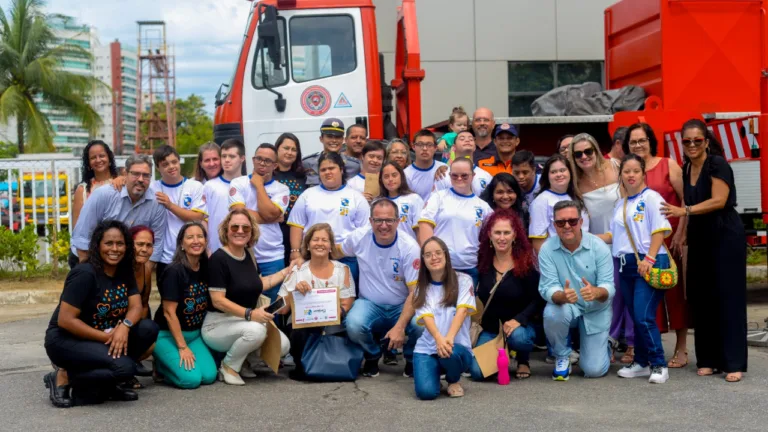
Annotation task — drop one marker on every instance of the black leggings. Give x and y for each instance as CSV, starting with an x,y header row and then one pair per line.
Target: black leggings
x,y
87,363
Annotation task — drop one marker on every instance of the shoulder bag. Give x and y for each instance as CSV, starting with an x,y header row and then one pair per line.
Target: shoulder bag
x,y
662,279
476,327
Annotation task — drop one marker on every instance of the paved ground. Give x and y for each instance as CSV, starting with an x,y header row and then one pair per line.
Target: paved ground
x,y
386,403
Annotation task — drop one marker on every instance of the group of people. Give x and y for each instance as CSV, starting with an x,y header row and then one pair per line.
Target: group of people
x,y
417,237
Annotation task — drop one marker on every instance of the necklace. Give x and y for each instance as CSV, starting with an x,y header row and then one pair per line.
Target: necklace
x,y
589,178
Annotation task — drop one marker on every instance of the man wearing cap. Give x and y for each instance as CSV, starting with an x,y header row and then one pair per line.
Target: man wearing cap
x,y
506,140
332,138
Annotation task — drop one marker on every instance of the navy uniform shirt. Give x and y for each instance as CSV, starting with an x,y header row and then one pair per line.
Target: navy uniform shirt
x,y
351,165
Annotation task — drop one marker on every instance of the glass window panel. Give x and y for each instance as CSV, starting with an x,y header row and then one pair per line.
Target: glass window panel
x,y
531,77
520,106
579,72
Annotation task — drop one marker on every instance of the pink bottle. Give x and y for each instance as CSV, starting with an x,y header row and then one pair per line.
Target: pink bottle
x,y
502,361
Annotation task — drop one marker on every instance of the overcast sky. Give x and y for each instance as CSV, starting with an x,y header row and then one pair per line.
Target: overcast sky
x,y
206,34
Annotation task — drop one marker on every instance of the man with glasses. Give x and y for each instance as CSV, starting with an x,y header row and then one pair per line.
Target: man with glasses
x,y
464,147
506,140
389,269
577,283
134,204
266,199
421,173
332,138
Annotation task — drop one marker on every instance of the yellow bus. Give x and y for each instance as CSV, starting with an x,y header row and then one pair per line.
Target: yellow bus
x,y
37,184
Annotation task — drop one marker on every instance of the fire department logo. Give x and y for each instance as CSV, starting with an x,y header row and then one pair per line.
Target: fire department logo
x,y
316,101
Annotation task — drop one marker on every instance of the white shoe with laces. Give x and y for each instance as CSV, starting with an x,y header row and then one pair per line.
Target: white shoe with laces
x,y
659,375
634,370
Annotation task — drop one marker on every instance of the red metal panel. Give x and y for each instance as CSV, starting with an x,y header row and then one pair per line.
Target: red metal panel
x,y
373,73
117,96
408,71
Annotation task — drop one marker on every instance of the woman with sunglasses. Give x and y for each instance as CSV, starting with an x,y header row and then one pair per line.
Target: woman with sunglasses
x,y
638,227
556,186
235,324
716,243
596,181
457,216
393,185
665,177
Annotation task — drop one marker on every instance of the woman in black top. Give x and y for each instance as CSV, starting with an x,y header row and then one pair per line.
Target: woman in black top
x,y
96,333
290,172
506,258
716,273
181,356
504,192
236,324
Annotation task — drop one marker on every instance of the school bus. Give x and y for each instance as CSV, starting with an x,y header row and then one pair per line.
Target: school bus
x,y
35,187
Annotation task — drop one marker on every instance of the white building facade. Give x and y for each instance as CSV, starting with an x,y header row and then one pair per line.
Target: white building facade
x,y
115,65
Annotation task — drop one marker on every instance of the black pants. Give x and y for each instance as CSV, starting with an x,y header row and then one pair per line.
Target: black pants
x,y
87,363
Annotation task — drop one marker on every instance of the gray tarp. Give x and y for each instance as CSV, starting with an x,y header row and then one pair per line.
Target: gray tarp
x,y
588,99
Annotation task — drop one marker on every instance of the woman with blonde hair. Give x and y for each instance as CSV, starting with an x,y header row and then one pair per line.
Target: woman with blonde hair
x,y
236,324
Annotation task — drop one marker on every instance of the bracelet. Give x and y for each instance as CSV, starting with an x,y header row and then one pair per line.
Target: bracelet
x,y
650,260
295,250
687,210
248,314
183,347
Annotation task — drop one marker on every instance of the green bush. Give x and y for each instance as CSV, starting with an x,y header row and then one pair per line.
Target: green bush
x,y
18,251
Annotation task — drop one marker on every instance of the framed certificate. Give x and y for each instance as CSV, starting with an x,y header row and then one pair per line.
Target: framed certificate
x,y
318,308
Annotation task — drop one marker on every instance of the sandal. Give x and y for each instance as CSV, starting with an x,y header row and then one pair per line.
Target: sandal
x,y
455,390
521,375
629,356
674,362
733,377
707,371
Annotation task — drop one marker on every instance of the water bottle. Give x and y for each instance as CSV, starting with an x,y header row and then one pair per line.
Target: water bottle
x,y
502,361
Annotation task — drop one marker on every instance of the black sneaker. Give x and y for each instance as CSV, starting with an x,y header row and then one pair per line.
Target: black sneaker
x,y
390,357
408,372
371,368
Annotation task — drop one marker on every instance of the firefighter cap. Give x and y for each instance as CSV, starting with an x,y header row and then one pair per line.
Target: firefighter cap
x,y
332,126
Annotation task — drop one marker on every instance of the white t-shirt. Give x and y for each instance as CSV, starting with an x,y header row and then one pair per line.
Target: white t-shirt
x,y
386,271
357,182
443,316
644,219
345,209
457,219
543,215
337,279
421,181
410,207
187,194
479,182
270,245
531,194
216,198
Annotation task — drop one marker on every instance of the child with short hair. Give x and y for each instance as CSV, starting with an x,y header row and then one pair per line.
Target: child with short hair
x,y
457,122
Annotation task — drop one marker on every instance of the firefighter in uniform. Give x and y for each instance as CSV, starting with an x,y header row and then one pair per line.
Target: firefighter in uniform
x,y
332,137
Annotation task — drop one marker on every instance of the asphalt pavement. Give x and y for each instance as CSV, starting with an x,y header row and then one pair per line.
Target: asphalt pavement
x,y
387,403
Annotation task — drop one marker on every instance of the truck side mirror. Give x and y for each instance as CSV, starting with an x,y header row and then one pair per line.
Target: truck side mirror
x,y
269,33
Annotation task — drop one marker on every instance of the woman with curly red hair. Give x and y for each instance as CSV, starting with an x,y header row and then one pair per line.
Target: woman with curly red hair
x,y
509,288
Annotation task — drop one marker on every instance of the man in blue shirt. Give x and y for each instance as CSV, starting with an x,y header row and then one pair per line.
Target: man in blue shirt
x,y
135,204
577,283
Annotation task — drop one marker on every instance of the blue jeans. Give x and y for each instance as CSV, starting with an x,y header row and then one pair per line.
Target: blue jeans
x,y
366,318
521,340
268,269
643,300
595,351
354,269
427,369
473,272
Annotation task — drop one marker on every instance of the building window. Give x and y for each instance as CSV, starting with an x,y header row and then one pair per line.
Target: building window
x,y
529,80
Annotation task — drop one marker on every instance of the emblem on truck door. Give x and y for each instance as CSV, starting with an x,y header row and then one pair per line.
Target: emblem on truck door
x,y
316,100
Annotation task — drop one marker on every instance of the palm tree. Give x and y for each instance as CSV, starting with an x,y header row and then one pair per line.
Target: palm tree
x,y
31,73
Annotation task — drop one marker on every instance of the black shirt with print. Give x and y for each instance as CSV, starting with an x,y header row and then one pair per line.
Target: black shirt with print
x,y
189,289
238,277
102,300
296,184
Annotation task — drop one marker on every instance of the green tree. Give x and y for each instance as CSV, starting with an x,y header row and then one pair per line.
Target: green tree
x,y
31,59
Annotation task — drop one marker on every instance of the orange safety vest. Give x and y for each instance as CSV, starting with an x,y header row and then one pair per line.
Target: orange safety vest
x,y
493,166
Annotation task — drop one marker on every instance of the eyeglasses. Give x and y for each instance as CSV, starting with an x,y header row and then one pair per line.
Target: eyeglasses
x,y
588,152
561,223
237,227
424,145
388,221
459,176
639,143
693,142
398,152
262,161
436,254
139,175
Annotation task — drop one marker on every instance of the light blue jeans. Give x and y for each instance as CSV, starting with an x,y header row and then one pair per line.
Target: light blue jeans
x,y
521,340
268,269
427,369
595,351
366,318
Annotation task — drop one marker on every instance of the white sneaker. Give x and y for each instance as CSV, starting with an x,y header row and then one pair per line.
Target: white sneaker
x,y
659,375
288,361
634,370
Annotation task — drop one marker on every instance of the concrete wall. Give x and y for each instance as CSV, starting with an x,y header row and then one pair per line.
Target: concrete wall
x,y
466,44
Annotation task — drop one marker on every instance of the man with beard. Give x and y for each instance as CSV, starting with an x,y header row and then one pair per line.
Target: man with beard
x,y
482,125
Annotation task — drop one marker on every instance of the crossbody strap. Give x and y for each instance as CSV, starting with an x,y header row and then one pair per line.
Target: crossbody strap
x,y
629,233
490,297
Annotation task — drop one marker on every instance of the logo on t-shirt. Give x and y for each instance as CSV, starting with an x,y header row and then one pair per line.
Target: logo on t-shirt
x,y
478,216
187,201
396,269
483,183
416,264
232,191
404,210
111,308
639,215
195,304
344,209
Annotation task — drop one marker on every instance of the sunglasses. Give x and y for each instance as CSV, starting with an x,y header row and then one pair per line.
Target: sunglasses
x,y
561,223
579,153
459,176
693,142
237,227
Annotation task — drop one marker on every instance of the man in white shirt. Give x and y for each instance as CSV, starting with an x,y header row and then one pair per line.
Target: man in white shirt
x,y
389,269
216,190
372,158
421,173
266,199
181,197
463,147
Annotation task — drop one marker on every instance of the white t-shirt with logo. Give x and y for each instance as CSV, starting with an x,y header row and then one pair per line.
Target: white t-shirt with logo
x,y
345,209
187,194
386,271
409,207
216,196
420,180
543,215
530,195
457,219
443,316
644,219
480,181
357,182
270,245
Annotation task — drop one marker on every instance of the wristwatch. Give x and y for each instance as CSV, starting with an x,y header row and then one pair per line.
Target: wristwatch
x,y
128,323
